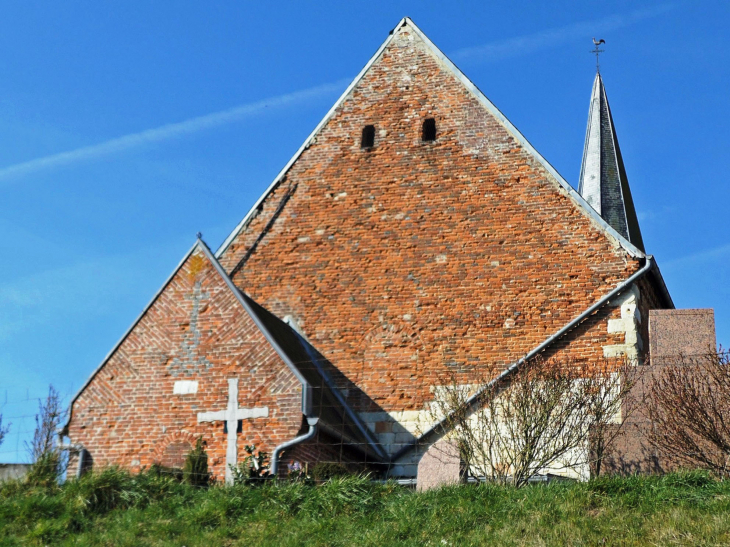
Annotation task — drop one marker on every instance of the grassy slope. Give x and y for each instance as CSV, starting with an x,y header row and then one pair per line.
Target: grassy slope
x,y
113,508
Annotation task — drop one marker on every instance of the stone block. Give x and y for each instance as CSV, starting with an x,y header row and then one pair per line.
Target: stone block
x,y
13,471
617,325
403,437
386,438
441,465
677,334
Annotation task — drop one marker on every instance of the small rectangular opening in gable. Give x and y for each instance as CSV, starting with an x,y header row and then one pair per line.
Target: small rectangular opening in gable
x,y
368,136
429,130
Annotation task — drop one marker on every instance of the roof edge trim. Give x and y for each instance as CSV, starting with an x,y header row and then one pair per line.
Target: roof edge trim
x,y
438,428
406,21
622,241
308,141
198,243
338,395
270,339
662,285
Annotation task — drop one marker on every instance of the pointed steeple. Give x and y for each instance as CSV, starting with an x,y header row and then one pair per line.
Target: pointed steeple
x,y
603,182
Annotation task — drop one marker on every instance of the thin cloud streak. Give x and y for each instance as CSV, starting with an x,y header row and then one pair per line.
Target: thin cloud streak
x,y
512,47
707,254
522,45
169,131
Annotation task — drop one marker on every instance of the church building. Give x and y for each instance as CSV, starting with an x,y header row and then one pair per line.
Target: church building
x,y
415,234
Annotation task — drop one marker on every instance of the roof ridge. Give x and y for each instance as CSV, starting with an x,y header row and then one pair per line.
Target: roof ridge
x,y
199,243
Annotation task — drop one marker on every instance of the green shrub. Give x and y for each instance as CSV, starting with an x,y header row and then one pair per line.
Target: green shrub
x,y
254,469
324,471
174,473
45,470
195,471
97,493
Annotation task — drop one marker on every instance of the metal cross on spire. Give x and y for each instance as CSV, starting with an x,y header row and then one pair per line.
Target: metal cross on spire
x,y
597,52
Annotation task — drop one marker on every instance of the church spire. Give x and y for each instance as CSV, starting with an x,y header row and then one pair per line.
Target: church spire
x,y
603,183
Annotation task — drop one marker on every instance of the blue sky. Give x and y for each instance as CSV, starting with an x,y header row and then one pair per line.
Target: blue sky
x,y
127,127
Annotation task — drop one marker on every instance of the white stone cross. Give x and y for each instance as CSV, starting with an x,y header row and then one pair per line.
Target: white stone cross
x,y
231,415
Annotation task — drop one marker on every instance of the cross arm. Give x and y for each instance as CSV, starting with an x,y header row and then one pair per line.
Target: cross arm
x,y
256,412
219,416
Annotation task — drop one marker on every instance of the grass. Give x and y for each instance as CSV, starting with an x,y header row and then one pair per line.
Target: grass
x,y
115,508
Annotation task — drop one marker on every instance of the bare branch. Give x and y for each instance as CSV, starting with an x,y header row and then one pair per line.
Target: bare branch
x,y
542,418
47,421
3,430
688,403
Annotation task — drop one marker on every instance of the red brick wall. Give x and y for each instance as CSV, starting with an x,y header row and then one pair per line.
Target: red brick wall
x,y
129,416
413,258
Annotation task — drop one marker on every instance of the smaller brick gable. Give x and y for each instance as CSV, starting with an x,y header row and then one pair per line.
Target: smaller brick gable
x,y
141,406
153,394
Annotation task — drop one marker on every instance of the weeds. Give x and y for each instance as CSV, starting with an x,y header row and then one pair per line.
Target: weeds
x,y
195,470
112,507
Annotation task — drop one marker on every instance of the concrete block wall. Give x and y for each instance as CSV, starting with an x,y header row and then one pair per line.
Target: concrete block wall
x,y
13,471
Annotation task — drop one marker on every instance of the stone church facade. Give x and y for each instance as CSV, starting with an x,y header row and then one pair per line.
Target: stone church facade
x,y
415,234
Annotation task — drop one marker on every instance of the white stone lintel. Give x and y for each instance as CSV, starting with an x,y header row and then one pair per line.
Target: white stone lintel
x,y
185,387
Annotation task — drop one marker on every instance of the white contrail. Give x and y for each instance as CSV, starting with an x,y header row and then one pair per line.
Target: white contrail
x,y
489,52
169,131
521,45
707,254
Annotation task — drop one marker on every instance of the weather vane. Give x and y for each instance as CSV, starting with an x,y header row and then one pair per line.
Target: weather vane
x,y
597,52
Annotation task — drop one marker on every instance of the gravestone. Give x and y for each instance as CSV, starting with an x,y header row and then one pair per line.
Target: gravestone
x,y
675,334
441,465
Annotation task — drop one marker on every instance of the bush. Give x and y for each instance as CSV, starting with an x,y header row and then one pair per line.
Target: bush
x,y
688,404
254,469
325,471
174,473
195,471
97,493
45,470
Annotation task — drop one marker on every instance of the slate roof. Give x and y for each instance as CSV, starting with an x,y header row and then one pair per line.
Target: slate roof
x,y
603,182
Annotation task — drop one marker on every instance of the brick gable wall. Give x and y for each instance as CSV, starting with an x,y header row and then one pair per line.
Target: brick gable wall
x,y
401,263
196,330
416,259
